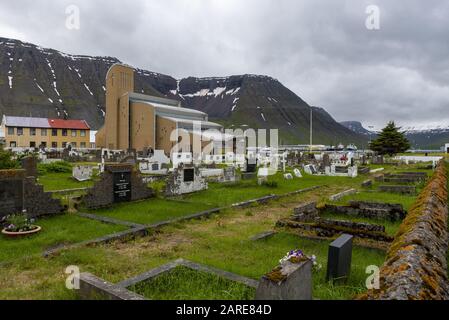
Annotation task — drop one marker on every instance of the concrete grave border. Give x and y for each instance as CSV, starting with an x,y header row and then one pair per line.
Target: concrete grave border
x,y
92,287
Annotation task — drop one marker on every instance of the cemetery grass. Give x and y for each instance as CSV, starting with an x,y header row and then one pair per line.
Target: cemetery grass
x,y
61,181
391,227
218,195
59,230
223,241
151,210
183,283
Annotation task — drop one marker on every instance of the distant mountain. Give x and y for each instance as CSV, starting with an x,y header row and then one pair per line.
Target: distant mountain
x,y
357,127
47,83
420,137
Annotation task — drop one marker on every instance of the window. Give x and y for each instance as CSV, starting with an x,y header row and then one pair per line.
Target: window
x,y
32,144
64,132
44,132
83,144
73,144
32,131
54,144
11,131
73,133
64,145
54,132
20,131
12,144
83,133
43,144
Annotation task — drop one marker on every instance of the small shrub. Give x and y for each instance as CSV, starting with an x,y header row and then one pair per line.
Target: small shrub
x,y
55,167
6,160
270,184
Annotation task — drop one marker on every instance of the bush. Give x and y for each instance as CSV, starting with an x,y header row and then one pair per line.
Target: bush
x,y
6,161
270,184
55,167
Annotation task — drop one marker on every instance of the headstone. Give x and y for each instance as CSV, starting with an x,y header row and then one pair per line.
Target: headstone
x,y
185,179
288,176
295,282
29,164
122,185
118,183
251,167
308,169
297,173
339,258
82,173
229,175
326,160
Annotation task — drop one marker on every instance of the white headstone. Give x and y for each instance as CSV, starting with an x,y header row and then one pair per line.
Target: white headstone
x,y
82,173
288,176
297,173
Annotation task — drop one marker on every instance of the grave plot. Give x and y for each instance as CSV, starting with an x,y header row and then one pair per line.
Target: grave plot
x,y
56,231
118,183
178,280
309,222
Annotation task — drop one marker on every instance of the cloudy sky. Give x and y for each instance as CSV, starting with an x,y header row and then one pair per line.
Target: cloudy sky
x,y
320,49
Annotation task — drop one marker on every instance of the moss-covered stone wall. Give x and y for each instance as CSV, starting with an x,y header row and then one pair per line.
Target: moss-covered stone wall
x,y
416,263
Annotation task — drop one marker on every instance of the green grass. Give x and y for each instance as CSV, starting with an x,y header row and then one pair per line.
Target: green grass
x,y
254,259
390,227
183,283
64,229
221,242
219,195
61,181
406,200
151,210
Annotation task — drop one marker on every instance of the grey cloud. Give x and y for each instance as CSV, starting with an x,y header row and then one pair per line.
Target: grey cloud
x,y
319,49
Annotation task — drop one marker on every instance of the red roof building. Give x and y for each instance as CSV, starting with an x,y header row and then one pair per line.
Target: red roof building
x,y
68,124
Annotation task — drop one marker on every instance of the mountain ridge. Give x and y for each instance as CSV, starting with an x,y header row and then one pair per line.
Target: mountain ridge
x,y
48,83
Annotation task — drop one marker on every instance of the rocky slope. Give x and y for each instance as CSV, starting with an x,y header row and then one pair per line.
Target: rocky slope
x,y
47,83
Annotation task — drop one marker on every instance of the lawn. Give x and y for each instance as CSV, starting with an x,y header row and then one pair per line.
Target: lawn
x,y
183,283
223,241
64,229
61,181
220,195
217,195
390,227
151,210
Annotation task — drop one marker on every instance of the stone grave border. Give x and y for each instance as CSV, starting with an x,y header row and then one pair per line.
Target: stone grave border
x,y
91,285
137,230
338,196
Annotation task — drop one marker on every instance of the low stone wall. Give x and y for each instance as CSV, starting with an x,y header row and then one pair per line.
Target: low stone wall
x,y
368,209
38,202
340,195
416,263
305,212
330,228
400,189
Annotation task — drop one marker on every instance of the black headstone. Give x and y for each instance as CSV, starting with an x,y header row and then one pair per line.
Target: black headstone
x,y
189,175
122,186
339,258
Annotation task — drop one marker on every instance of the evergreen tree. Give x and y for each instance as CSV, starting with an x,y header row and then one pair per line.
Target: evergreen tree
x,y
390,141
